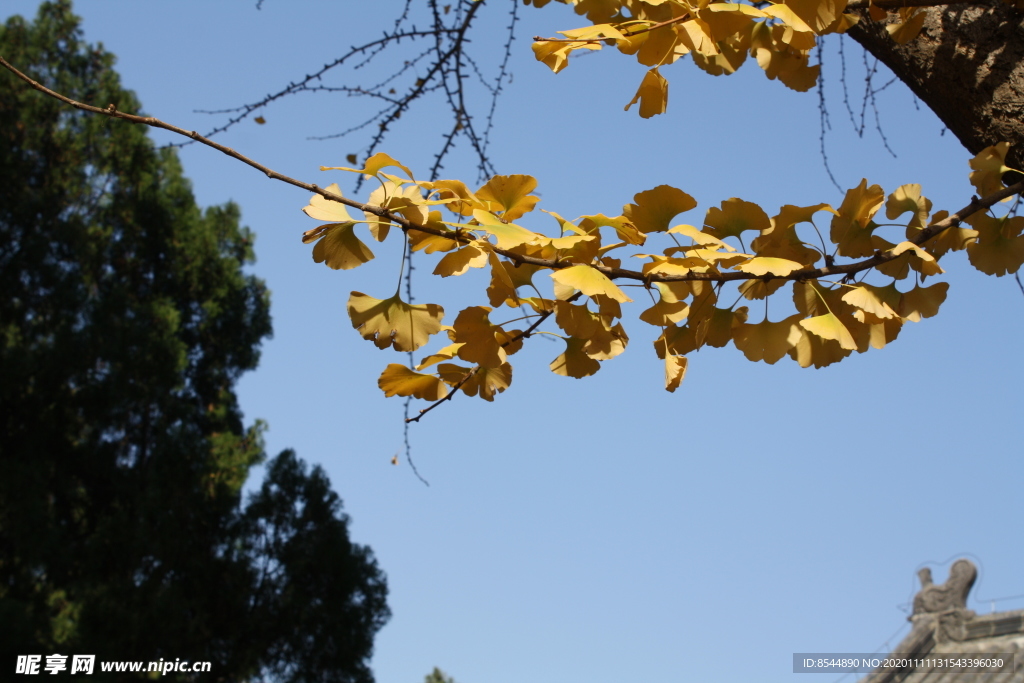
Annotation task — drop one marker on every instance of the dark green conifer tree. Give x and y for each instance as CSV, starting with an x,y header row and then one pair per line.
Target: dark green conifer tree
x,y
125,320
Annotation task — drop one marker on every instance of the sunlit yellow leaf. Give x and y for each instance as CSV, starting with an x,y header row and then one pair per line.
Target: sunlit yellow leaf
x,y
624,228
765,265
655,209
874,304
658,47
827,326
404,199
463,201
768,341
460,261
373,165
950,239
999,248
919,259
790,67
908,198
487,382
675,371
338,246
668,310
510,195
589,281
447,353
989,166
781,239
735,217
392,322
652,95
508,235
573,362
556,54
701,238
851,229
922,302
323,209
398,380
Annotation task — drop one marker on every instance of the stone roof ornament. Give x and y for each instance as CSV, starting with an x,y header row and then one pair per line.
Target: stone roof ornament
x,y
949,596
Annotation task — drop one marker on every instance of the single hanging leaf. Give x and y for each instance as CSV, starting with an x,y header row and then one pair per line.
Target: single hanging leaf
x,y
461,260
589,281
487,382
735,216
477,335
852,228
989,166
398,380
652,95
999,248
768,341
922,302
509,194
675,371
373,166
573,362
655,209
827,326
392,322
874,304
338,246
908,198
556,54
323,209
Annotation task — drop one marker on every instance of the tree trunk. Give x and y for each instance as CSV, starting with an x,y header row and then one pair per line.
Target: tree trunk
x,y
967,65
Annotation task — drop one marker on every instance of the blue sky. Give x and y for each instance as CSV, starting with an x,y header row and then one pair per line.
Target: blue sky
x,y
603,529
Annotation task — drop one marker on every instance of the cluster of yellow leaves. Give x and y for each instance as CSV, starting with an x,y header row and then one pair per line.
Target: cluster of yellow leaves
x,y
719,36
829,311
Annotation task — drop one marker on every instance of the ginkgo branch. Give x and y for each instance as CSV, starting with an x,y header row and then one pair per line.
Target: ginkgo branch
x,y
879,258
625,34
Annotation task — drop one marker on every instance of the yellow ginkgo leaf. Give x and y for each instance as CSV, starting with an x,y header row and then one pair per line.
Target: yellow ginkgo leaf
x,y
999,248
589,281
392,322
398,380
573,362
922,302
851,229
701,238
768,341
510,195
462,200
624,228
790,67
908,198
722,323
655,209
447,353
323,209
950,239
919,259
989,166
556,54
607,342
874,304
477,335
485,382
508,235
828,326
461,260
373,166
338,246
759,289
675,371
813,350
735,216
767,265
665,312
652,95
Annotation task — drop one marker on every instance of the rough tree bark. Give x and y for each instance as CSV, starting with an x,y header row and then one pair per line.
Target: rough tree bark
x,y
967,65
